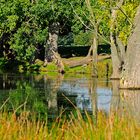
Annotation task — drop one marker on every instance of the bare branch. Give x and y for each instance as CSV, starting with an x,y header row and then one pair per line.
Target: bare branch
x,y
89,27
129,20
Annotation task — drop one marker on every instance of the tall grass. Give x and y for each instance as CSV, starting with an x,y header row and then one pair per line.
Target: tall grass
x,y
111,127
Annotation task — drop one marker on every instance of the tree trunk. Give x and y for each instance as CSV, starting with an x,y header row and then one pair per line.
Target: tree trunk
x,y
131,74
121,49
116,55
114,52
51,46
51,49
94,56
92,53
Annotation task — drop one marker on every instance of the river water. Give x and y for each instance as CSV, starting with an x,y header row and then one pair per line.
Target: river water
x,y
50,95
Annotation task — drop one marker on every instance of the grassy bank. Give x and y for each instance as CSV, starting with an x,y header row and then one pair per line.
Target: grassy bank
x,y
104,69
76,128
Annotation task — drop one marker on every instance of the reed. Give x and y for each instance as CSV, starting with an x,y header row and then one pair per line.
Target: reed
x,y
77,127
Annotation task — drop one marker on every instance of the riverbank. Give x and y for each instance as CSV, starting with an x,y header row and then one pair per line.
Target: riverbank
x,y
72,66
104,66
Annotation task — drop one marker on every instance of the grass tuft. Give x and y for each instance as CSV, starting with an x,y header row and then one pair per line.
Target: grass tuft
x,y
76,127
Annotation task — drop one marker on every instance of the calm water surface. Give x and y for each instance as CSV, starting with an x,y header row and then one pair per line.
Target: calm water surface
x,y
50,95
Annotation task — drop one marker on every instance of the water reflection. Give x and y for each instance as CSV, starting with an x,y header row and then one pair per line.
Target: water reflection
x,y
130,103
49,95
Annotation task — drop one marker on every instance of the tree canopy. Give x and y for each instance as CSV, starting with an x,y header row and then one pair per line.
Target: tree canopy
x,y
24,24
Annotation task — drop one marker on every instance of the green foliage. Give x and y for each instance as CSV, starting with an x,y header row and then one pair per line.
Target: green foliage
x,y
24,26
83,38
90,15
20,28
3,62
51,67
125,20
94,14
66,39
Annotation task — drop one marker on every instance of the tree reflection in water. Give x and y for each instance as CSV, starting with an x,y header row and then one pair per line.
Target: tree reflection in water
x,y
125,102
48,96
130,103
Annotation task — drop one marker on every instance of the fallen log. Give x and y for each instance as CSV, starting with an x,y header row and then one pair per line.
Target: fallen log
x,y
86,60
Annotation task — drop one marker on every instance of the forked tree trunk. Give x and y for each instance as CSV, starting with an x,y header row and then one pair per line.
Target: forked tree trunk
x,y
117,57
51,49
131,74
